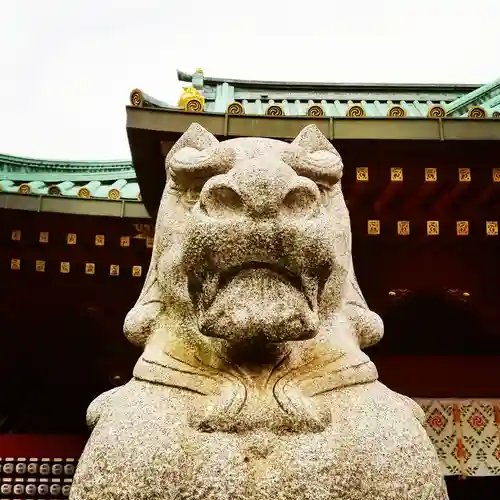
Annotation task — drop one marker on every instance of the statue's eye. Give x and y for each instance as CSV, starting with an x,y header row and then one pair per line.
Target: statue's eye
x,y
187,183
190,168
188,192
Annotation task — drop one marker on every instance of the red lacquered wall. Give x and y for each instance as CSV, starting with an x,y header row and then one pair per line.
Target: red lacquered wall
x,y
41,446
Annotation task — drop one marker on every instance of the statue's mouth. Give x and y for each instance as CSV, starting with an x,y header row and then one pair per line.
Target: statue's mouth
x,y
204,289
281,272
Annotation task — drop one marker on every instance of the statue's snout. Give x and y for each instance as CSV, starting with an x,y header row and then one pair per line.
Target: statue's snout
x,y
260,192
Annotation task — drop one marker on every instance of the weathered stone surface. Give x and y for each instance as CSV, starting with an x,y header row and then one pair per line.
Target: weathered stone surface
x,y
252,383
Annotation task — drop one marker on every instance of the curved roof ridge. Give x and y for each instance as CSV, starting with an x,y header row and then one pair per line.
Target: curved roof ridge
x,y
466,87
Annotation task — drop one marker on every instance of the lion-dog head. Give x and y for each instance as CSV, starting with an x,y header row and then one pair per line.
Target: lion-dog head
x,y
251,287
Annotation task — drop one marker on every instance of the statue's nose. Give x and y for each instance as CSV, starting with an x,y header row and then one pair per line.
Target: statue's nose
x,y
260,193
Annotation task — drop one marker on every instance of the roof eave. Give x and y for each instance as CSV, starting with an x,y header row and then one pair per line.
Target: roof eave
x,y
152,132
74,206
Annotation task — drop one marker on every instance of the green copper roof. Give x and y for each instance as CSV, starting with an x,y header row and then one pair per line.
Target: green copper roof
x,y
114,180
486,96
341,99
225,95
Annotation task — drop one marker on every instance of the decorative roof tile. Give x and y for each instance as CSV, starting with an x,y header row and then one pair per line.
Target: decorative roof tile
x,y
334,99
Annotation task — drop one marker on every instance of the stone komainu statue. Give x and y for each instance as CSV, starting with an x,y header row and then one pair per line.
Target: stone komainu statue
x,y
252,384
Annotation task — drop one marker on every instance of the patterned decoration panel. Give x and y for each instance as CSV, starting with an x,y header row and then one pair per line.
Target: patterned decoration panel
x,y
466,434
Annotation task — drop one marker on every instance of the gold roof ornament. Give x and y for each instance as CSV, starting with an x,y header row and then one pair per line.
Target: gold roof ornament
x,y
356,111
24,188
84,192
191,100
274,110
235,108
114,194
397,111
199,71
137,98
436,111
315,111
477,113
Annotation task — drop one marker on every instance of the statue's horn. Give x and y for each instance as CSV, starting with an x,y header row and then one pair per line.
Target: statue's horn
x,y
312,139
195,137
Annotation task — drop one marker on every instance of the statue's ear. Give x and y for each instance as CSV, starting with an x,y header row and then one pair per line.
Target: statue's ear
x,y
312,139
367,325
195,137
140,319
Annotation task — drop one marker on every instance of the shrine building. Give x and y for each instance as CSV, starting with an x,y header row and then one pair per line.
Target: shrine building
x,y
422,184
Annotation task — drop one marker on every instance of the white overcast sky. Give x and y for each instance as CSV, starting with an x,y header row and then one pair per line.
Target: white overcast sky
x,y
67,66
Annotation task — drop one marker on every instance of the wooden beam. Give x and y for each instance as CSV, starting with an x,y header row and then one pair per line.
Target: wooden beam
x,y
392,189
454,194
389,193
451,197
490,195
80,206
424,191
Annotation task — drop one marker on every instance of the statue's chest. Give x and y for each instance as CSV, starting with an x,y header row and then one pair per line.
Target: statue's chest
x,y
259,465
148,445
256,465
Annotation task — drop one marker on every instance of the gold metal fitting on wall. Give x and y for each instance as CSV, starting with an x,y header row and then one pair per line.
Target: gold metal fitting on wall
x,y
432,227
362,174
403,227
374,227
